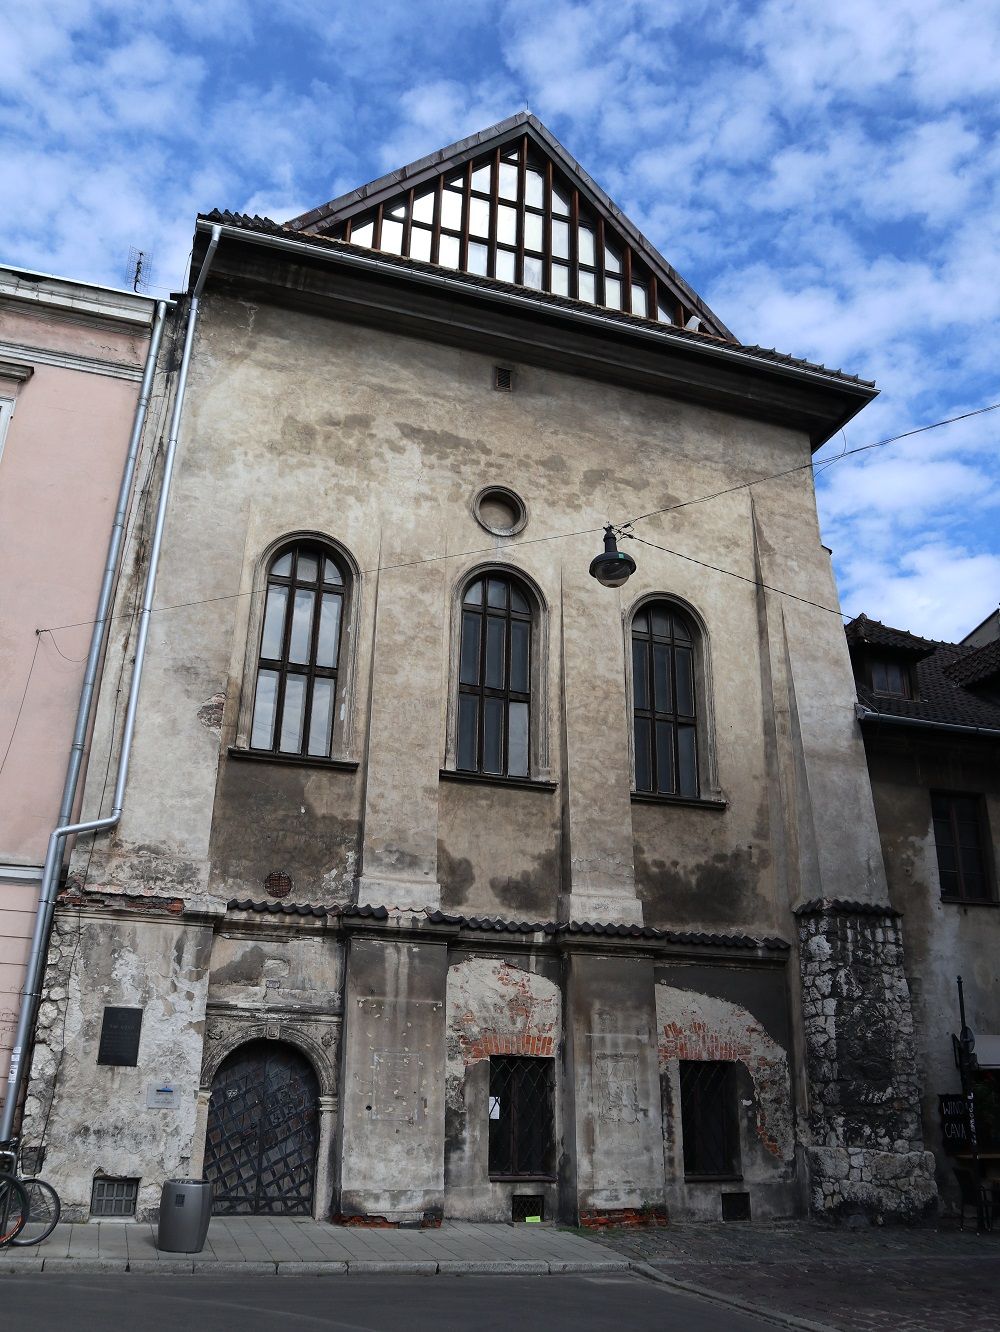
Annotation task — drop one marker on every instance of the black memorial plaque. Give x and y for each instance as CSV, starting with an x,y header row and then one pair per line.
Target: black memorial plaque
x,y
120,1037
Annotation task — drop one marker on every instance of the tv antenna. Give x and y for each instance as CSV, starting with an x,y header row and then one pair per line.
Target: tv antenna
x,y
139,268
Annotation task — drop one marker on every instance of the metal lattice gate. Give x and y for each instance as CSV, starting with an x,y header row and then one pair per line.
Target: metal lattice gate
x,y
260,1150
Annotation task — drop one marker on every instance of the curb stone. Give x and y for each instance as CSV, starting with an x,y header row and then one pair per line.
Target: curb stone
x,y
731,1301
475,1266
311,1267
557,1266
405,1266
231,1268
166,1266
85,1265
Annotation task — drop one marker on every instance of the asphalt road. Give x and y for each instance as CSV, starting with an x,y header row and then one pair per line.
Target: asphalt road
x,y
207,1303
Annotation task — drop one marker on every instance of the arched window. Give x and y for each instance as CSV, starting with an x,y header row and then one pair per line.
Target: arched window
x,y
296,690
494,679
665,707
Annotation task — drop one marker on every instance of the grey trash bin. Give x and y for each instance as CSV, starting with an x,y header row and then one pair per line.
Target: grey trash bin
x,y
185,1211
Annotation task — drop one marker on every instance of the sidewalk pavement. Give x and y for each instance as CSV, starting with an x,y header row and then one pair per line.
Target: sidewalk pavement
x,y
815,1278
294,1246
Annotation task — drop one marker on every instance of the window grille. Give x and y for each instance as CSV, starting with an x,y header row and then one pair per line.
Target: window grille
x,y
494,699
521,1118
297,677
503,378
664,702
709,1122
961,841
114,1197
523,1205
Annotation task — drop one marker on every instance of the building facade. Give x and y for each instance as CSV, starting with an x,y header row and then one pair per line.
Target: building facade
x,y
930,717
449,881
71,361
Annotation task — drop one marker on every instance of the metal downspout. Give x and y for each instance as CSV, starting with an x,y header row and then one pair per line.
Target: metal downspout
x,y
31,994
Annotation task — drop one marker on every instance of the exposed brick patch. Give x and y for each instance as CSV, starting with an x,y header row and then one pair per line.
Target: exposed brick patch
x,y
694,1026
629,1217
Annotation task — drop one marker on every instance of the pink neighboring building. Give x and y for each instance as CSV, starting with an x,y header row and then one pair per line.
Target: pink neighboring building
x,y
71,360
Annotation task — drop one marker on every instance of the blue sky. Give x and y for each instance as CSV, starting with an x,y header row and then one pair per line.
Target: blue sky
x,y
826,176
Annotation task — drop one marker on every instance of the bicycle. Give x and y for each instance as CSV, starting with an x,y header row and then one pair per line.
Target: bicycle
x,y
14,1209
40,1206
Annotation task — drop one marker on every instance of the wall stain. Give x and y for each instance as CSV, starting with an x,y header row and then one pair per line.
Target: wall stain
x,y
718,891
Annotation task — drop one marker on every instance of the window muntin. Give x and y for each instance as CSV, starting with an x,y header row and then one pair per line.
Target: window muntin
x,y
664,702
494,679
296,688
961,842
890,677
521,1118
512,216
709,1119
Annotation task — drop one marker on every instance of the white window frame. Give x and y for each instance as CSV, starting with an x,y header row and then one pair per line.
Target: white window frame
x,y
6,415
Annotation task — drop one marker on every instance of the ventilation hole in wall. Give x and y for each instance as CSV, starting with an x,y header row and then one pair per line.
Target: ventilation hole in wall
x,y
736,1207
114,1197
278,884
503,378
526,1205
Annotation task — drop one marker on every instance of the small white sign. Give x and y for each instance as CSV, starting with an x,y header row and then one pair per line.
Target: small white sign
x,y
494,1107
159,1098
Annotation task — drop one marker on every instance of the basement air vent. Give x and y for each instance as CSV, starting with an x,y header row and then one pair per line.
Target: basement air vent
x,y
278,884
114,1197
736,1207
503,378
525,1205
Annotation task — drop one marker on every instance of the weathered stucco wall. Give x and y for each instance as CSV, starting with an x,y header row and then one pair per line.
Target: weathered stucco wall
x,y
495,1007
82,1118
940,939
738,1016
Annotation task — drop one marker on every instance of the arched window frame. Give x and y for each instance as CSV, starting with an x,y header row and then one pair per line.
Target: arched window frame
x,y
343,742
539,769
707,768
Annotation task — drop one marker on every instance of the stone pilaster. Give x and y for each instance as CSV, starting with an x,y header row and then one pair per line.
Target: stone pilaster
x,y
866,1155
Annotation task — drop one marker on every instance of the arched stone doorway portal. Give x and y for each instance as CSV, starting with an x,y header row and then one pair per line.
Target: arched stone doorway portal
x,y
263,1129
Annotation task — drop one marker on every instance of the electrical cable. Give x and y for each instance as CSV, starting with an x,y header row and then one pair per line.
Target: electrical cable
x,y
24,695
590,531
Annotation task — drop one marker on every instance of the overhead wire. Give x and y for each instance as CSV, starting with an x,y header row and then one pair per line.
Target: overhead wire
x,y
590,531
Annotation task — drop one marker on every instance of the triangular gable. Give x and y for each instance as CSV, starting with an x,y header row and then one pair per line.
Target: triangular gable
x,y
511,204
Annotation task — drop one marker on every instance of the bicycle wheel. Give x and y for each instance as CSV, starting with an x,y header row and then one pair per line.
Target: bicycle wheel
x,y
43,1212
13,1208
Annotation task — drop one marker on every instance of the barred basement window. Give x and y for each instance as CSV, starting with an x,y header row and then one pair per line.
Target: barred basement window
x,y
114,1197
521,1110
709,1121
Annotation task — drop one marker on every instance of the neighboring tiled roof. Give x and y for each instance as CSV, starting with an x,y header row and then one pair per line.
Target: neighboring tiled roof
x,y
499,926
876,634
942,676
264,225
981,664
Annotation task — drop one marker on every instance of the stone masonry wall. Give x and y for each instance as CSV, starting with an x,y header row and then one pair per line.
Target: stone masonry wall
x,y
866,1155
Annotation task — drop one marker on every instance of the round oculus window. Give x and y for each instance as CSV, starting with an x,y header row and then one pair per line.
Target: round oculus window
x,y
500,511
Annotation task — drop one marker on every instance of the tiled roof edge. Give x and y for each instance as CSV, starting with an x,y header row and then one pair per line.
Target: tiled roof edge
x,y
839,906
696,337
488,923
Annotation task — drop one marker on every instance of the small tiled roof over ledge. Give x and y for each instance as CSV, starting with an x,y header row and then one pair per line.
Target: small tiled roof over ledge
x,y
499,926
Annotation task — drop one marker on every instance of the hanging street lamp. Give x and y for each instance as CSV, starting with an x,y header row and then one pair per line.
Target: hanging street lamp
x,y
614,568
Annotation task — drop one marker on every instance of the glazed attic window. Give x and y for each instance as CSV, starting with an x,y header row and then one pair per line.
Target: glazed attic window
x,y
512,216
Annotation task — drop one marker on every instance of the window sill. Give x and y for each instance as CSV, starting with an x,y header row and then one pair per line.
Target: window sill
x,y
695,802
298,760
494,779
713,1179
523,1179
970,901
